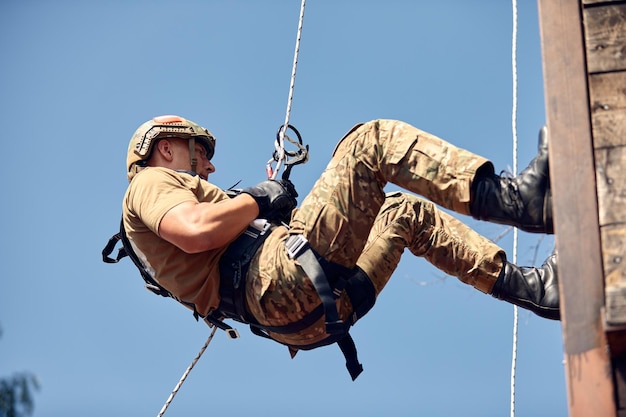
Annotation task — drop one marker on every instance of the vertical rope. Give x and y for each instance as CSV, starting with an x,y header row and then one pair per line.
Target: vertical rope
x,y
280,148
515,231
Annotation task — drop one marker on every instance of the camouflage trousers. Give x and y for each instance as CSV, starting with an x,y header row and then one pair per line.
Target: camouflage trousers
x,y
348,219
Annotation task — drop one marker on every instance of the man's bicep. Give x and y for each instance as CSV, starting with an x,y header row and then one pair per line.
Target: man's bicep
x,y
175,226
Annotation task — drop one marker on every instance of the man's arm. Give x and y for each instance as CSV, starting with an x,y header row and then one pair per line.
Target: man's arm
x,y
198,227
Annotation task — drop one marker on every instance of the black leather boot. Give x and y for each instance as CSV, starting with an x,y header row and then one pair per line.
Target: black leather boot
x,y
535,289
524,201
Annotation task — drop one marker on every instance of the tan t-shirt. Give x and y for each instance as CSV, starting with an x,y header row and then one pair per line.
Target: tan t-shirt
x,y
192,278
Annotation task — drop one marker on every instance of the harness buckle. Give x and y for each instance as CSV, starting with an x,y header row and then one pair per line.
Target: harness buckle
x,y
335,327
232,333
296,244
211,321
260,226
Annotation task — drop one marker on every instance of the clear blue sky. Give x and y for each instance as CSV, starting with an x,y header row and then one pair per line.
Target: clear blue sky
x,y
77,78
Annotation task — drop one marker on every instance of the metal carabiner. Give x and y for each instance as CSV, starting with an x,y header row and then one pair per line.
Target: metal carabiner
x,y
288,158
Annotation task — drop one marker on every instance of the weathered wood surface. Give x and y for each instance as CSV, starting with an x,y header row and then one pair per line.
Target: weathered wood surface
x,y
611,179
605,41
605,36
608,107
614,260
572,169
588,2
615,255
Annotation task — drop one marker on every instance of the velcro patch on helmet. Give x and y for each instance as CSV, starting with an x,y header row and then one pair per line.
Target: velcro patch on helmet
x,y
170,118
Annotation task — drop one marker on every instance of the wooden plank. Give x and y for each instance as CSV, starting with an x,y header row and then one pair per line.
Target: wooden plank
x,y
605,34
588,2
608,106
614,260
611,180
608,103
589,380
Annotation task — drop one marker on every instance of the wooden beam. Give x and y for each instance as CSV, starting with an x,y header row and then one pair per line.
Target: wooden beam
x,y
605,34
588,367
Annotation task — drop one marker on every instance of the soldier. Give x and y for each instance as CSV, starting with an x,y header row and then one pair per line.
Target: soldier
x,y
305,281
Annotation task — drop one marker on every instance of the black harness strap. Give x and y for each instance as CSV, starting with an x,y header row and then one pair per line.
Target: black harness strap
x,y
150,283
295,327
346,344
110,246
344,341
234,264
127,250
298,248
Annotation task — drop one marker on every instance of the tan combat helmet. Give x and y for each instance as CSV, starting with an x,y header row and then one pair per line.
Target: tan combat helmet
x,y
169,126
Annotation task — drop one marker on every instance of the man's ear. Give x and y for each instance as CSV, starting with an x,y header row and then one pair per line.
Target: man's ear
x,y
164,147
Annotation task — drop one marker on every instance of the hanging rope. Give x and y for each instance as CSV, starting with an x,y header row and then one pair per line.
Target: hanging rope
x,y
515,231
279,155
189,368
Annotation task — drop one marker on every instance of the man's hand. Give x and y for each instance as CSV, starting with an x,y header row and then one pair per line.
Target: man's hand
x,y
275,198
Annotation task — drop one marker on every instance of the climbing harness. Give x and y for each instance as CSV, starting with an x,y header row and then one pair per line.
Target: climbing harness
x,y
329,279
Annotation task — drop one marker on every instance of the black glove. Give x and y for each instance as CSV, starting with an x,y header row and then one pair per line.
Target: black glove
x,y
275,198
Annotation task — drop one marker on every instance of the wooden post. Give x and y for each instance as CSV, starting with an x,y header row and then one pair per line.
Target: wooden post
x,y
605,34
573,177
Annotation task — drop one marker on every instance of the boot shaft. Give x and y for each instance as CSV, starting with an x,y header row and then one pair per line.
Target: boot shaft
x,y
524,201
535,289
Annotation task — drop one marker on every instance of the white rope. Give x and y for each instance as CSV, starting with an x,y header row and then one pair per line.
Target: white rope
x,y
280,146
189,368
515,231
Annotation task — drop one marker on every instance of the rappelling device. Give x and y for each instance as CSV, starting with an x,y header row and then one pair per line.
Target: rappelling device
x,y
288,158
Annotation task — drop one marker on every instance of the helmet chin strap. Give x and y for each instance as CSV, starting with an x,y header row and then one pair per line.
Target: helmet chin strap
x,y
192,155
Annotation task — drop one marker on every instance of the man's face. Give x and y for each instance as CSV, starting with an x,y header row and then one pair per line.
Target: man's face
x,y
205,166
183,161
